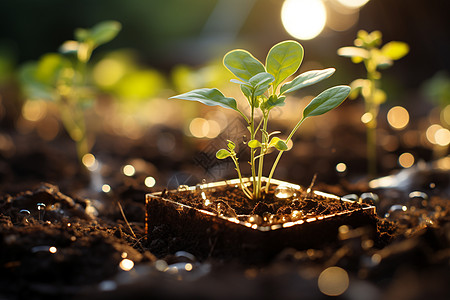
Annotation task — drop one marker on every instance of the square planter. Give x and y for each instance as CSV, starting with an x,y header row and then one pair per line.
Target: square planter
x,y
220,232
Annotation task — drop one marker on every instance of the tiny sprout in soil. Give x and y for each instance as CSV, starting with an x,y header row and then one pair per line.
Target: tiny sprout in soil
x,y
366,50
62,78
264,87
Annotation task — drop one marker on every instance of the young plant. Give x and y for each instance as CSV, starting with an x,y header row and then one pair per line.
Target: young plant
x,y
62,78
264,88
367,51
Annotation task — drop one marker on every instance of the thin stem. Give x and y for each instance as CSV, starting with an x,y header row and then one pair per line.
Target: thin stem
x,y
281,153
262,153
238,170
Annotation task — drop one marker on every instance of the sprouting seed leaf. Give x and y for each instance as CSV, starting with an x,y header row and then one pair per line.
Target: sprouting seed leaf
x,y
242,64
283,60
231,145
261,82
104,32
254,144
326,101
211,97
278,143
306,79
353,52
222,154
274,101
395,50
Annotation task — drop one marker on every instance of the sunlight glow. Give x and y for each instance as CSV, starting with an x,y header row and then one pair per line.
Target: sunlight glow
x,y
149,181
353,3
129,170
303,19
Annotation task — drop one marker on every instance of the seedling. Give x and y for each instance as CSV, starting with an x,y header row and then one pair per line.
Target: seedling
x,y
62,78
367,51
263,87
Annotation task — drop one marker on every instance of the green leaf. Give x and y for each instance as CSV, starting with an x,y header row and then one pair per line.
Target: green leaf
x,y
274,101
246,90
278,143
222,154
354,52
242,64
326,101
104,32
306,79
211,97
261,82
254,144
283,60
231,145
395,50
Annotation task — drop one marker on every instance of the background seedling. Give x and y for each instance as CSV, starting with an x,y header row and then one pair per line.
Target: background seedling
x,y
62,78
367,51
262,86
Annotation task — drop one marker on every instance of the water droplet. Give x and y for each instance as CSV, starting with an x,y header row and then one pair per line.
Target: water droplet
x,y
183,188
255,219
41,207
223,209
351,197
284,192
275,219
395,211
370,198
186,255
24,213
296,215
418,199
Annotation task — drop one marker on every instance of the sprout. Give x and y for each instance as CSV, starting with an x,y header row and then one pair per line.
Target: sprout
x,y
265,88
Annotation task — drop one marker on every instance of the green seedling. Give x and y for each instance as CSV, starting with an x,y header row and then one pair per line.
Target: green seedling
x,y
265,88
367,51
63,78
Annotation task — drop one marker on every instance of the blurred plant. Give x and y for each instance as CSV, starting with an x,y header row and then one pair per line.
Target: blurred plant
x,y
262,87
367,51
62,78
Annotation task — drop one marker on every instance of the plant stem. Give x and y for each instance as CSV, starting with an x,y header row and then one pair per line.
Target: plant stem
x,y
281,153
238,170
252,152
261,155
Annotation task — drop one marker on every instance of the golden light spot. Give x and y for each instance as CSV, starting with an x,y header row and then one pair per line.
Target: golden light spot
x,y
124,255
34,110
188,267
88,160
442,137
341,167
128,170
303,19
199,127
149,181
406,160
106,188
52,249
353,3
108,72
366,118
333,281
213,129
398,117
126,264
431,133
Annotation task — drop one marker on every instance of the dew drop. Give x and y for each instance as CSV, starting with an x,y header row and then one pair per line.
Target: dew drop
x,y
255,219
25,213
418,199
296,215
284,192
41,207
370,198
351,197
186,255
395,211
223,209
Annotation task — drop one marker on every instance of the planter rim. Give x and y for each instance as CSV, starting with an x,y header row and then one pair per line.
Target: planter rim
x,y
158,195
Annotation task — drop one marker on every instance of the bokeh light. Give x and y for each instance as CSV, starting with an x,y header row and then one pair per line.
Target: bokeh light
x,y
398,117
406,160
341,167
149,181
353,3
333,281
126,264
303,19
438,135
34,110
128,170
366,118
106,188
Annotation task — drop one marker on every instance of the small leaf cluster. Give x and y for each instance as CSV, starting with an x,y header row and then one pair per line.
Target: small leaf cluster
x,y
367,50
264,86
62,78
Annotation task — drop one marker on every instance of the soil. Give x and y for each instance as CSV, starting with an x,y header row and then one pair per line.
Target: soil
x,y
73,247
